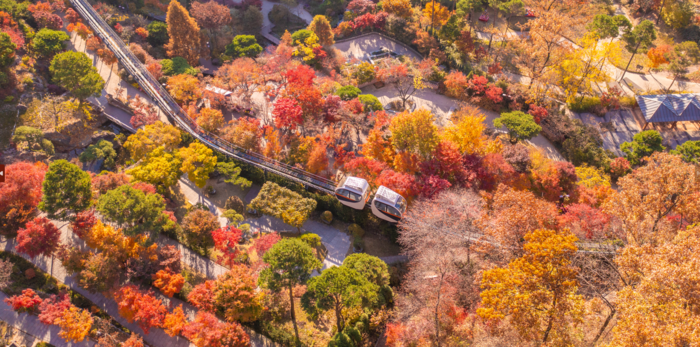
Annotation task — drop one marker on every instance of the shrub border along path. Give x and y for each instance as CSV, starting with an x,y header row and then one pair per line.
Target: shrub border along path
x,y
157,337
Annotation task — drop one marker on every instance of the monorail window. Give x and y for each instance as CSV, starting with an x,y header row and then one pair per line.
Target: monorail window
x,y
386,208
392,211
348,194
353,196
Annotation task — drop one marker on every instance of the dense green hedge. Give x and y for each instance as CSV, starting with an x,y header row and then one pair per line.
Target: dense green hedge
x,y
587,104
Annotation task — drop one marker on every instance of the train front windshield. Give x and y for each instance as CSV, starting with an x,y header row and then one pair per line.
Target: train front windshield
x,y
401,205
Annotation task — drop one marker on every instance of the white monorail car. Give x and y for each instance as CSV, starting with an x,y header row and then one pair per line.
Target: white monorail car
x,y
354,192
388,205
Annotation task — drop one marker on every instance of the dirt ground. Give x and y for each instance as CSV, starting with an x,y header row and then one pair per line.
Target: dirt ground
x,y
380,246
224,190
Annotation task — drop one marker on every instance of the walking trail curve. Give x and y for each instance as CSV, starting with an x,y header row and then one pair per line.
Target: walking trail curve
x,y
647,82
156,337
112,83
31,325
337,243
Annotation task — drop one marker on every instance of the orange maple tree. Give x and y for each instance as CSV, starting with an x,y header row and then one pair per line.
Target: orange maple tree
x,y
75,324
168,282
175,322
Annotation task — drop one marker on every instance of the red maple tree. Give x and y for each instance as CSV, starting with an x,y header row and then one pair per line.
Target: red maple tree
x,y
150,312
226,241
40,237
263,243
133,341
538,112
25,302
400,182
430,186
72,16
202,296
585,221
207,331
288,113
83,223
366,168
19,195
52,308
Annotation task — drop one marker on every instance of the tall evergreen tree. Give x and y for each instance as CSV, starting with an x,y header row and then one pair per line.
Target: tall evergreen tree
x,y
290,262
183,32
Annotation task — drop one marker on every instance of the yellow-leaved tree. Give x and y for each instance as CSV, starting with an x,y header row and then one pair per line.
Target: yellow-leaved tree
x,y
536,293
467,130
436,13
582,68
184,88
322,28
151,137
415,132
665,186
198,161
400,8
591,177
159,168
660,306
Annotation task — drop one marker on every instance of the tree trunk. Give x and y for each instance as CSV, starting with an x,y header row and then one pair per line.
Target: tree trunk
x,y
550,5
339,318
605,325
437,313
672,82
294,316
660,9
469,252
491,33
630,62
432,19
551,321
505,31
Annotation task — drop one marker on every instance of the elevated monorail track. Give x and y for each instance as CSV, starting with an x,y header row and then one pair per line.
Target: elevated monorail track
x,y
177,115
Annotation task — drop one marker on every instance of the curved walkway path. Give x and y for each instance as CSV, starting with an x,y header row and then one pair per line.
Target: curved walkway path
x,y
156,337
647,82
439,105
31,325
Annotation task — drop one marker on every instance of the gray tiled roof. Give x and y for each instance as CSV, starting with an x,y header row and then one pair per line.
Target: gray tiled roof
x,y
670,107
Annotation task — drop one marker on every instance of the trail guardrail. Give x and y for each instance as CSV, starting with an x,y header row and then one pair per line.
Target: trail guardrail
x,y
177,115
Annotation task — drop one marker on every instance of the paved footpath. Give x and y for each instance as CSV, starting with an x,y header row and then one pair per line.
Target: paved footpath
x,y
31,325
156,337
336,242
112,82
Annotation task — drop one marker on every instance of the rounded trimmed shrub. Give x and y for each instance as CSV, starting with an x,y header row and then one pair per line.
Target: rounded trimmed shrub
x,y
235,203
370,102
327,217
348,92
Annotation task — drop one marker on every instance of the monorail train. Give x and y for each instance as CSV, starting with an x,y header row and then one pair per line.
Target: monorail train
x,y
387,204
